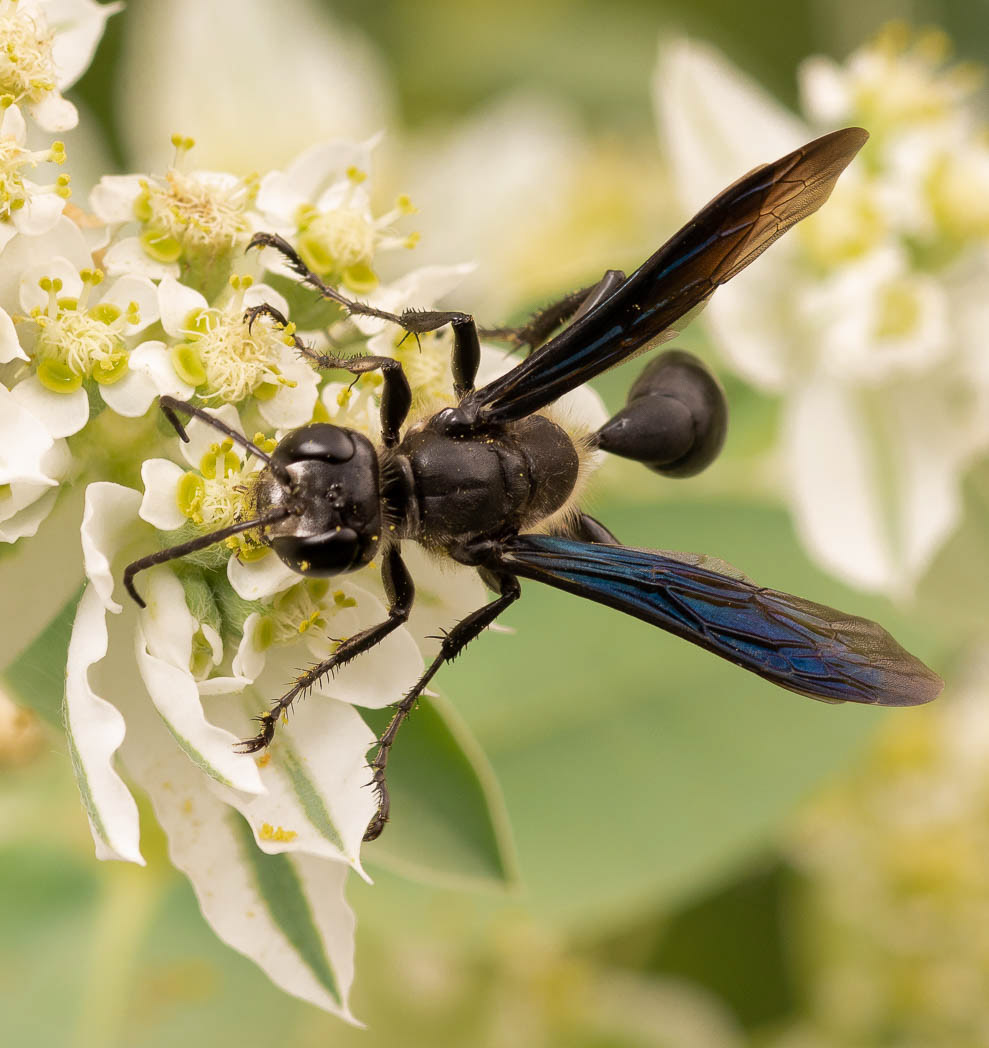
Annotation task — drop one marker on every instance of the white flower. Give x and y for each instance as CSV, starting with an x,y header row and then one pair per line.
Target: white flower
x,y
84,330
47,46
190,222
863,317
25,206
226,360
321,202
260,110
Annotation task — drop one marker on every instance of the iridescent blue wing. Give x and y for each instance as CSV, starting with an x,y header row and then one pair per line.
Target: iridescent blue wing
x,y
802,646
721,240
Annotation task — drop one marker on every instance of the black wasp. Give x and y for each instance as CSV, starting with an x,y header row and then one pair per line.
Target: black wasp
x,y
490,481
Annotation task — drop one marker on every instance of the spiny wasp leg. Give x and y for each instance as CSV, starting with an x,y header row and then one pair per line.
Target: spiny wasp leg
x,y
401,593
415,322
453,644
538,328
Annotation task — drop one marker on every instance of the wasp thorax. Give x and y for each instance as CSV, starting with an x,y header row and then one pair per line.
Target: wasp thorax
x,y
334,520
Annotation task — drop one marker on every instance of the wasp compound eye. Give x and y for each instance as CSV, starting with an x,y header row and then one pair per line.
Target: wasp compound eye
x,y
675,419
321,441
329,554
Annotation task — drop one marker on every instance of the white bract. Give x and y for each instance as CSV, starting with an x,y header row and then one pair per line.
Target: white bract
x,y
862,318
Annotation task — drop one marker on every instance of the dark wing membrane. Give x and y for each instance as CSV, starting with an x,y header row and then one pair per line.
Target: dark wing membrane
x,y
802,646
721,240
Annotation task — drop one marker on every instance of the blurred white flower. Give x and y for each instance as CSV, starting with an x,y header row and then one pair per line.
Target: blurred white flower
x,y
895,883
277,77
864,318
48,44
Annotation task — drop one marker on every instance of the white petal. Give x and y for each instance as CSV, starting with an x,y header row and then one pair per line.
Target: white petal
x,y
39,214
282,192
24,442
22,253
935,441
522,155
80,25
448,592
128,256
316,778
131,396
250,659
177,303
95,730
7,233
374,680
113,197
292,406
260,579
824,90
260,294
158,507
234,882
834,484
153,360
163,646
54,113
108,521
715,123
203,436
131,288
13,125
62,414
753,322
25,522
31,294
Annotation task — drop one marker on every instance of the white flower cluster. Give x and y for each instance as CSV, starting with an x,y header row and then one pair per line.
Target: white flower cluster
x,y
100,314
894,858
869,320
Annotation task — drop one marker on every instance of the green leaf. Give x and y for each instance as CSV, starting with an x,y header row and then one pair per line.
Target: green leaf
x,y
37,675
448,822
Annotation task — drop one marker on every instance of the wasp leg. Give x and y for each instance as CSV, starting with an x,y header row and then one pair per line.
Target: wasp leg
x,y
538,328
454,643
415,322
396,395
401,593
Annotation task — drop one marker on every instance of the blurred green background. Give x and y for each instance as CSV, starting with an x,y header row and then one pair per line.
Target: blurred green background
x,y
652,793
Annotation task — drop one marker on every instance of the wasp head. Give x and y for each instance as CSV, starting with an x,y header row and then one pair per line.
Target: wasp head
x,y
327,478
